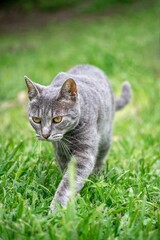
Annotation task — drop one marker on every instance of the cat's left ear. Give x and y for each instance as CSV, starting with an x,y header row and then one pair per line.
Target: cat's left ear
x,y
69,90
33,90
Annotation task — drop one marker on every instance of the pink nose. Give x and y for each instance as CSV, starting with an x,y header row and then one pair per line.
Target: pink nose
x,y
46,132
46,135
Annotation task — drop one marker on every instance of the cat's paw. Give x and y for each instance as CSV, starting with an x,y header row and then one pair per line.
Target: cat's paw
x,y
53,207
52,210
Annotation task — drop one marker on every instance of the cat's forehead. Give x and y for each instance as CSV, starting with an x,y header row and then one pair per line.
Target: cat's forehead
x,y
49,107
48,93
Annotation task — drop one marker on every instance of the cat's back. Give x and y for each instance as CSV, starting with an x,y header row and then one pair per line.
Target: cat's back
x,y
97,94
89,75
92,72
94,91
91,81
83,74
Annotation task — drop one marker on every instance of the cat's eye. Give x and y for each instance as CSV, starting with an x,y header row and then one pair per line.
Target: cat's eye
x,y
36,119
57,119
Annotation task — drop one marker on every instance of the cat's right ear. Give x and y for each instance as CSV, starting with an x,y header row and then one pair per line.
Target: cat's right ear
x,y
33,91
69,90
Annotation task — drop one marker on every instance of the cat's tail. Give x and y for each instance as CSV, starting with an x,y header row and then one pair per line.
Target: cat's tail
x,y
124,98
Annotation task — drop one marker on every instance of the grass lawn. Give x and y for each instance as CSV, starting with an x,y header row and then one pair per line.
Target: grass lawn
x,y
123,201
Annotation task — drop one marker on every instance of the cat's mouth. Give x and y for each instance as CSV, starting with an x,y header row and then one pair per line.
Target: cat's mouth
x,y
52,138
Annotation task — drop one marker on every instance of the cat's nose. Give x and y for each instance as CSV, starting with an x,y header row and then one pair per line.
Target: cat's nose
x,y
46,135
46,132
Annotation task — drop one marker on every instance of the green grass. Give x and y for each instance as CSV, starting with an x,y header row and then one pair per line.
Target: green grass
x,y
123,201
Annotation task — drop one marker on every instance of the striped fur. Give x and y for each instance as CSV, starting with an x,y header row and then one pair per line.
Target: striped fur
x,y
83,98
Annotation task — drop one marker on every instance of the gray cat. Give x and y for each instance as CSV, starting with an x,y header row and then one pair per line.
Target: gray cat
x,y
75,112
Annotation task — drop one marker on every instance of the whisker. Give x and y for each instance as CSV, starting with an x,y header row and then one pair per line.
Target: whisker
x,y
68,152
74,144
77,140
63,148
74,140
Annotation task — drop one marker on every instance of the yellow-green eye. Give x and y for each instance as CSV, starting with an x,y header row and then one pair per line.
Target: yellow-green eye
x,y
36,119
57,119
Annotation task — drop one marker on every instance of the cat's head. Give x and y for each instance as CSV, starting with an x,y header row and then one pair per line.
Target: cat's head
x,y
53,111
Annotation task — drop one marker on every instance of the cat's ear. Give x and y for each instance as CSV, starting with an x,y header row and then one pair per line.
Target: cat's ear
x,y
33,91
69,90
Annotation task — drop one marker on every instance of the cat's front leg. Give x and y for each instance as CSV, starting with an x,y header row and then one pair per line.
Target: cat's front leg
x,y
84,166
62,157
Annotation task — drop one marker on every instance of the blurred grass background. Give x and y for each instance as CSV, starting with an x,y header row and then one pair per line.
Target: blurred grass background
x,y
123,40
52,5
